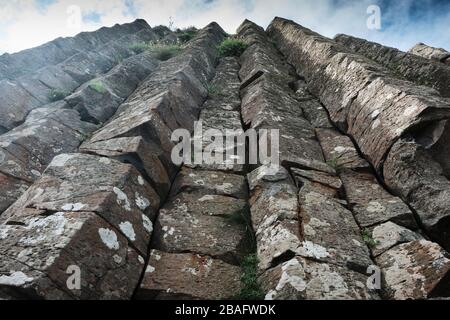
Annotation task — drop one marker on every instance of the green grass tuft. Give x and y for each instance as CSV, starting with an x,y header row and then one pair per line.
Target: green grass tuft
x,y
367,237
57,95
139,47
335,164
251,289
164,52
187,35
97,86
213,90
232,48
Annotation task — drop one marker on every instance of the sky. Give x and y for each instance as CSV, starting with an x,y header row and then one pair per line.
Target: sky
x,y
401,24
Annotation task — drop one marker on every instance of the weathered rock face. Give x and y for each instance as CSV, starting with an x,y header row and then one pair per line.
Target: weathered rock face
x,y
412,173
301,279
202,232
72,183
94,207
304,232
437,54
55,80
60,127
188,276
56,51
98,209
401,128
415,270
372,204
362,97
415,69
209,225
268,102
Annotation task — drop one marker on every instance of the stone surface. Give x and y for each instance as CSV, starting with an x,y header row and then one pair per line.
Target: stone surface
x,y
210,225
148,158
36,255
268,102
329,231
317,176
114,191
389,235
61,127
340,152
89,181
437,54
303,279
210,183
34,89
372,204
188,277
273,197
411,172
415,270
58,50
415,69
362,98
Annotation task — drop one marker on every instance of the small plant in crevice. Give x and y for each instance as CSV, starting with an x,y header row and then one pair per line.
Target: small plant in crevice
x,y
164,52
368,239
187,34
231,47
56,95
237,217
213,90
97,86
251,289
118,58
139,47
335,164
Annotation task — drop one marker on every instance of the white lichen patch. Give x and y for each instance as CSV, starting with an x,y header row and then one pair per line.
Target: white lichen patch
x,y
128,230
225,187
291,276
199,182
74,207
192,271
148,225
150,269
141,260
33,172
17,278
310,249
105,160
141,180
376,124
154,255
206,198
410,111
340,149
375,114
375,206
109,238
141,202
4,230
117,259
61,160
168,231
44,229
122,199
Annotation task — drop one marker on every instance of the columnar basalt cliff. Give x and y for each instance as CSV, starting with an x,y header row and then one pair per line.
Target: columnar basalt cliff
x,y
89,188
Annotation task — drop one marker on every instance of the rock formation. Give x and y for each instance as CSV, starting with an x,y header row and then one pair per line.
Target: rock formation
x,y
358,209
